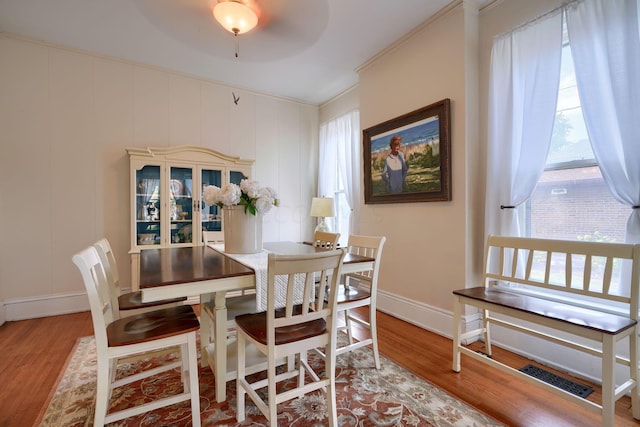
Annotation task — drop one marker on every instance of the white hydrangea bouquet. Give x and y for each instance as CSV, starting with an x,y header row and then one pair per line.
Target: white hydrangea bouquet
x,y
250,194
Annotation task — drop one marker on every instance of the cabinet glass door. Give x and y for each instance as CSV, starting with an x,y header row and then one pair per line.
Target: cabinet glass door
x,y
235,177
181,204
148,205
211,214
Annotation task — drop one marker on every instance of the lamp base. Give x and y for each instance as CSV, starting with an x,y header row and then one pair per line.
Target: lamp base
x,y
322,226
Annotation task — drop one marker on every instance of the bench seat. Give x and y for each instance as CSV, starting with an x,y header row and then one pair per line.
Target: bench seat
x,y
606,323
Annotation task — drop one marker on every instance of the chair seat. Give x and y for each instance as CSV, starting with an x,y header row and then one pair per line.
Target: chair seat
x,y
133,300
352,294
255,325
152,325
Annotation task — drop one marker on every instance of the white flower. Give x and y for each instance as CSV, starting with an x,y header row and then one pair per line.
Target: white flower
x,y
211,195
251,188
249,194
230,195
266,199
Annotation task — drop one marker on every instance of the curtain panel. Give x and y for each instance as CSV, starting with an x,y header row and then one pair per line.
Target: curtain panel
x,y
340,144
605,45
523,93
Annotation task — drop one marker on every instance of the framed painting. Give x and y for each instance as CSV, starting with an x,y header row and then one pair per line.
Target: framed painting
x,y
408,158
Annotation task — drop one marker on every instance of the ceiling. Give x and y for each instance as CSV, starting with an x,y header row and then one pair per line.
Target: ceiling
x,y
306,50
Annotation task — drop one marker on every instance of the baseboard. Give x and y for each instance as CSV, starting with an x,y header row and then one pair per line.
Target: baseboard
x,y
44,306
3,313
425,316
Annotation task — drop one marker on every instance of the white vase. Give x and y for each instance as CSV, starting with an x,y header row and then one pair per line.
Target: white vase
x,y
242,231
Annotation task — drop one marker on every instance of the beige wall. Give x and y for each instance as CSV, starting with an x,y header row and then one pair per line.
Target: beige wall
x,y
345,102
425,254
66,118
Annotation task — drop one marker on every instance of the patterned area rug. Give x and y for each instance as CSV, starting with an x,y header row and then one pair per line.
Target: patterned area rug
x,y
391,396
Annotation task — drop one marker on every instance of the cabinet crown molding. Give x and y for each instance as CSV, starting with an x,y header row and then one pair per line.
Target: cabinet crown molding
x,y
187,152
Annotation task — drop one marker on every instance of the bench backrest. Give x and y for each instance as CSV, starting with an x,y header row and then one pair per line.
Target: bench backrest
x,y
606,271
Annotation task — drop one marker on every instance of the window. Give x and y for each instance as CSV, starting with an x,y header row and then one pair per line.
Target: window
x,y
571,200
338,169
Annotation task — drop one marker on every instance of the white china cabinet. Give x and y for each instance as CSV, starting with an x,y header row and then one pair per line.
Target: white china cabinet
x,y
167,206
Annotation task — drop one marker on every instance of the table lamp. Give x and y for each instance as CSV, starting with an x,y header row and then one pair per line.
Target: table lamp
x,y
322,207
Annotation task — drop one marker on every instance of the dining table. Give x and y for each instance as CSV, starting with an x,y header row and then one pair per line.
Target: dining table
x,y
209,273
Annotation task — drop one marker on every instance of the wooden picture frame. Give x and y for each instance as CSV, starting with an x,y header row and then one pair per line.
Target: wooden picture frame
x,y
421,172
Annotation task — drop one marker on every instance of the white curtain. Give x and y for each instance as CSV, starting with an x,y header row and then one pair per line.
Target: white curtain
x,y
605,44
523,92
340,143
328,143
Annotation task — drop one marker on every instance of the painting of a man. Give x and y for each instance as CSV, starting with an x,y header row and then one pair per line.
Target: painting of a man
x,y
395,167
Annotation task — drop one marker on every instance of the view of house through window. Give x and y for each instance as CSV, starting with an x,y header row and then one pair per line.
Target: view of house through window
x,y
571,200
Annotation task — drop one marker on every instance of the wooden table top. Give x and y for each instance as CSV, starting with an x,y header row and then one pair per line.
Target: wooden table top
x,y
293,248
170,266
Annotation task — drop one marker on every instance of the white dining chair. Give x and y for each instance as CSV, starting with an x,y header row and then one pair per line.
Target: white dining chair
x,y
126,303
117,339
325,239
291,330
360,290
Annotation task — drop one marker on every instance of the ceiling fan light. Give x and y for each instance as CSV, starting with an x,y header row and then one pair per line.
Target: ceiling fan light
x,y
235,17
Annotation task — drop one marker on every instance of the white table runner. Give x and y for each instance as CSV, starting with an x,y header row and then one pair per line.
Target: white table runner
x,y
258,262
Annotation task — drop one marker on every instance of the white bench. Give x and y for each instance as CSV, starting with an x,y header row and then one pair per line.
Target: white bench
x,y
522,281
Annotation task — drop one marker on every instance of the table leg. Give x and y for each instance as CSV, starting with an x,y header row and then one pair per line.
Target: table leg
x,y
220,346
205,328
135,271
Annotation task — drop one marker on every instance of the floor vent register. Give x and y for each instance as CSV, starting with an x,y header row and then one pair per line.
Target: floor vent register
x,y
557,381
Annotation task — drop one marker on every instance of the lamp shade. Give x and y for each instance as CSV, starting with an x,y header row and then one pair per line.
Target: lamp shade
x,y
235,16
322,207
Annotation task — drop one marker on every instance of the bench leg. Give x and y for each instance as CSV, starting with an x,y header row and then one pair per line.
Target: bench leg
x,y
457,330
487,336
608,380
633,361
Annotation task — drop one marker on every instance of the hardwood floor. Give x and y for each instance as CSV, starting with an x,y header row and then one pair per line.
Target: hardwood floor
x,y
33,353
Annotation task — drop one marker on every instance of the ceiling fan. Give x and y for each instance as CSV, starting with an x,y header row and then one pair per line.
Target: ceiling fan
x,y
284,28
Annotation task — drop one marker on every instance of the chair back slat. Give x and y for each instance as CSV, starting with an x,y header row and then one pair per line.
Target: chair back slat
x,y
306,268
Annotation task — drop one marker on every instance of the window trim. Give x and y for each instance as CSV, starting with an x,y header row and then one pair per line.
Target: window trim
x,y
573,164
